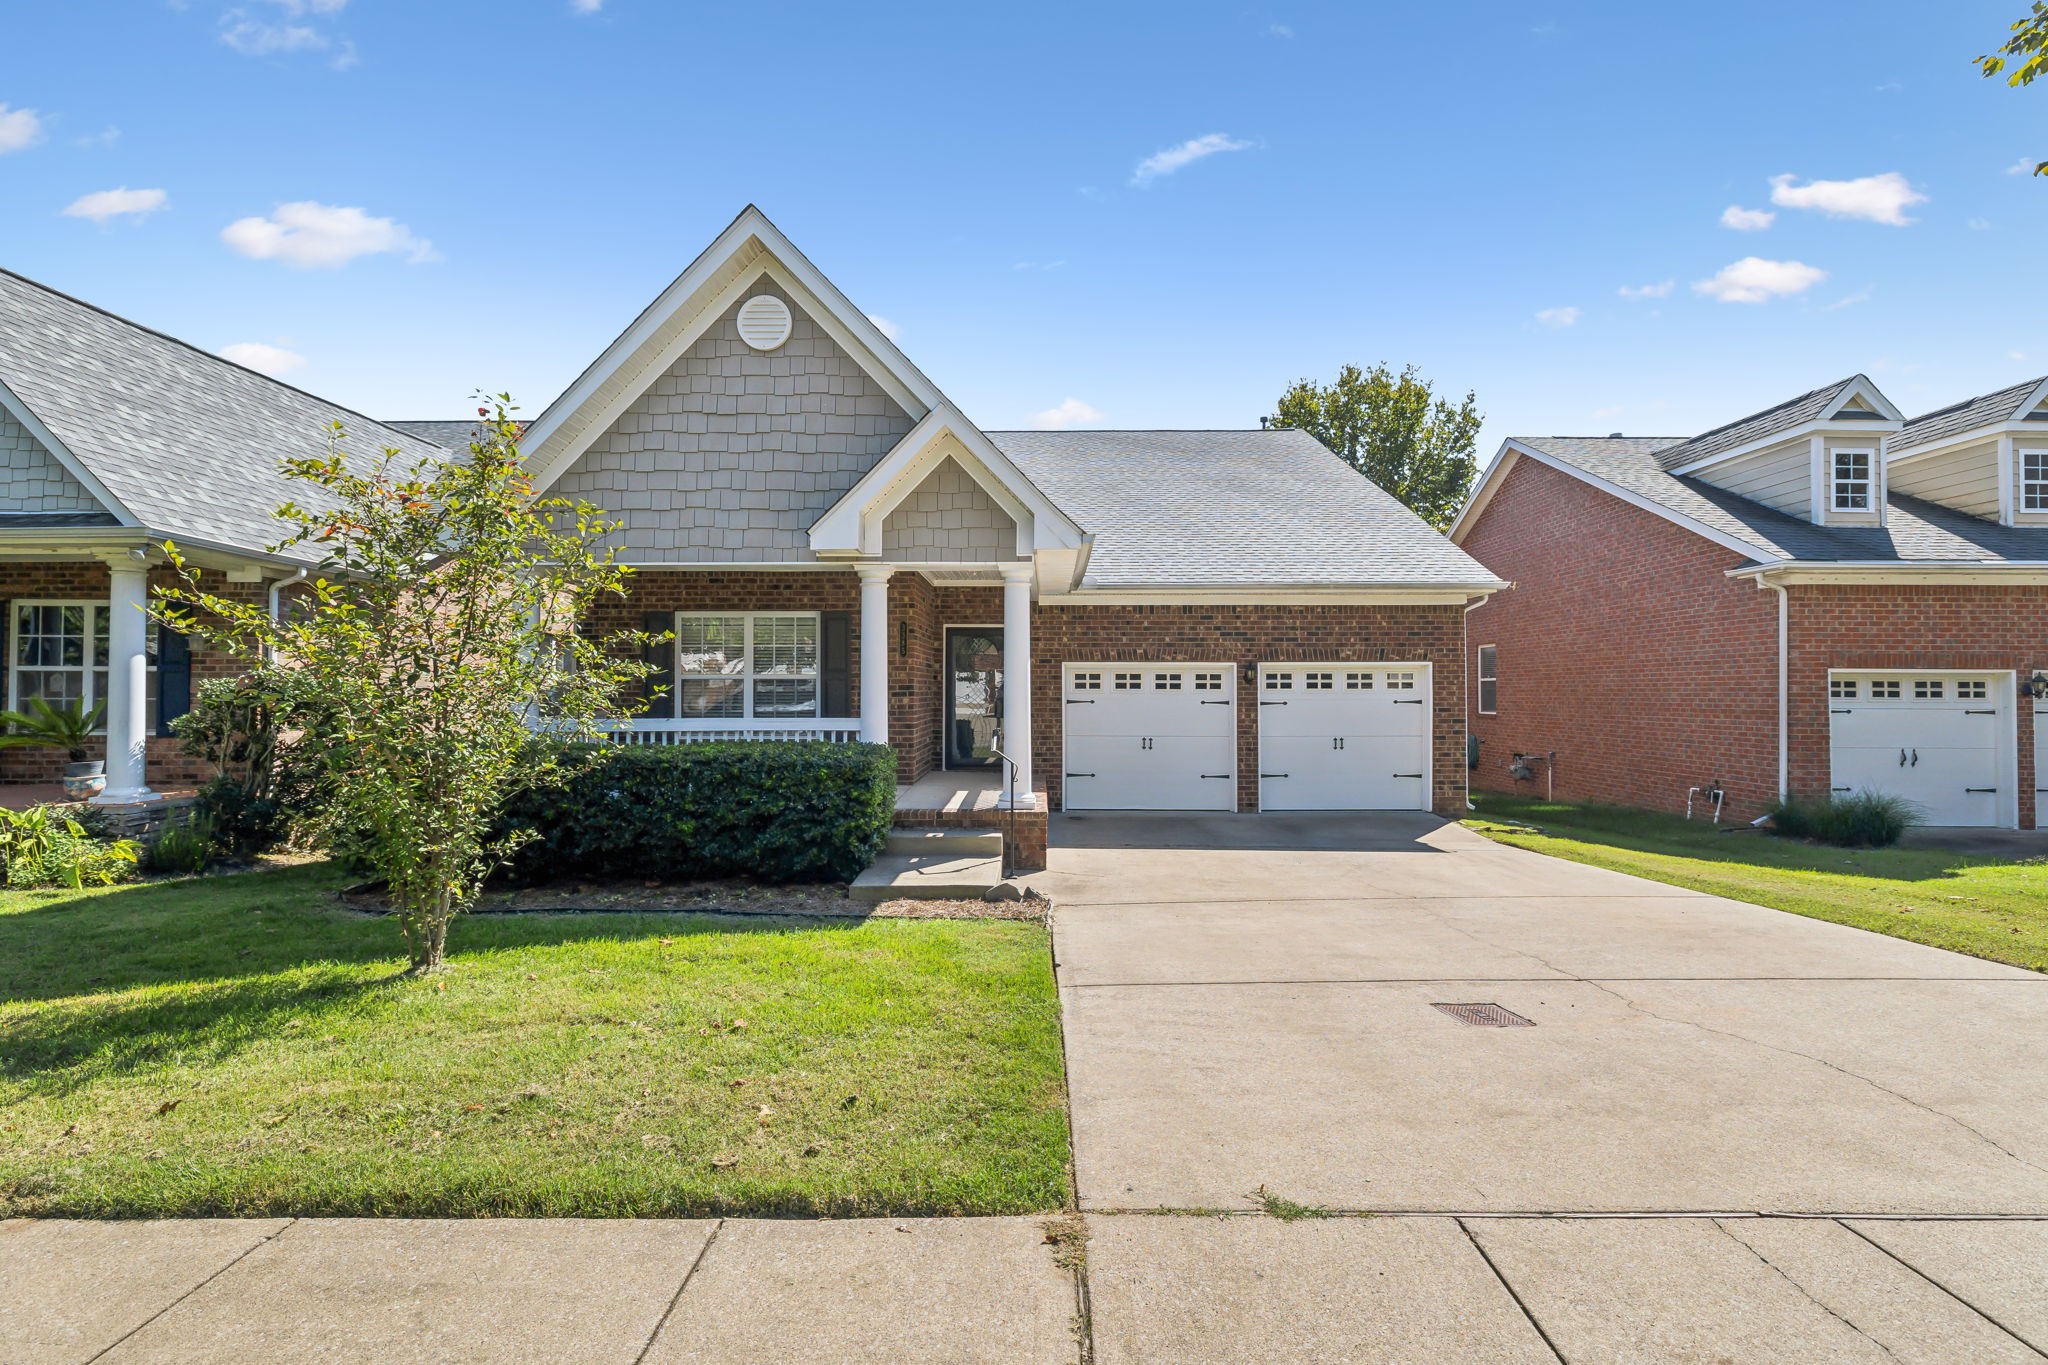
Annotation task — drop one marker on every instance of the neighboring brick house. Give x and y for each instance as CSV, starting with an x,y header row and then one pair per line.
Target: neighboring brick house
x,y
1822,597
1158,619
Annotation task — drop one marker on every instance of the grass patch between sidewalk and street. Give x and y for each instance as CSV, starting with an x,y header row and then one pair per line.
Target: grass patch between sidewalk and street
x,y
243,1045
1968,903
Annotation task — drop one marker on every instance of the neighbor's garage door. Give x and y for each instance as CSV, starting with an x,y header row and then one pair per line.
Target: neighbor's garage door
x,y
1150,737
2041,764
1344,736
1938,740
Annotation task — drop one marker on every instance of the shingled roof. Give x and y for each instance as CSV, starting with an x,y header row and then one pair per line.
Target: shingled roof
x,y
1232,508
1985,410
1758,426
186,445
1915,530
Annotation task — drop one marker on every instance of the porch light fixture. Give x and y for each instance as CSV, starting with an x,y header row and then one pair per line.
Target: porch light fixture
x,y
902,638
2036,686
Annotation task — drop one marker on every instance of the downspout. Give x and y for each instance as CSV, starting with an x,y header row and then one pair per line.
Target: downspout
x,y
1465,663
1784,673
277,595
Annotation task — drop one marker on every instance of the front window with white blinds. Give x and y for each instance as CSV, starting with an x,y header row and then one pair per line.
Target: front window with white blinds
x,y
746,666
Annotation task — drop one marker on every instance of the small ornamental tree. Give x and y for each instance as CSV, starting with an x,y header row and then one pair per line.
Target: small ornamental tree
x,y
435,637
1396,430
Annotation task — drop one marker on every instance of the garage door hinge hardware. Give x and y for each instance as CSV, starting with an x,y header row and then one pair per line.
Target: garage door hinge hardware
x,y
1841,789
1225,703
1413,701
1272,703
1080,701
1080,774
1405,774
1487,1015
1843,711
1273,774
1221,775
1980,789
1982,711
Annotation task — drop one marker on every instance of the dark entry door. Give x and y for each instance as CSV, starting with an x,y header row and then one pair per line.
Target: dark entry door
x,y
974,695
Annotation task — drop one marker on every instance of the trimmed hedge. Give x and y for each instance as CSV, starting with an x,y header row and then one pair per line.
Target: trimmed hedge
x,y
783,811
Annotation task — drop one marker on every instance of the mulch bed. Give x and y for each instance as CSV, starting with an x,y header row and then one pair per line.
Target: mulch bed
x,y
729,897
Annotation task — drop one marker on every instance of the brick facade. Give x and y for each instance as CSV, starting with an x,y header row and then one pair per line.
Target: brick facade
x,y
168,766
1242,636
1626,649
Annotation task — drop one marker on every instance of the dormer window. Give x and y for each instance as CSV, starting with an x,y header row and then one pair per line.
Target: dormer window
x,y
2034,481
1851,481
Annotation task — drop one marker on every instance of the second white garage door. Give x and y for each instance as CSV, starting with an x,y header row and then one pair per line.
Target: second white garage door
x,y
1150,737
1344,736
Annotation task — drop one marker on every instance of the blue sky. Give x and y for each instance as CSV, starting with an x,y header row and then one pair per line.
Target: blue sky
x,y
497,188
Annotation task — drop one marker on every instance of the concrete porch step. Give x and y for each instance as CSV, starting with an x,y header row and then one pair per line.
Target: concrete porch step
x,y
927,877
987,843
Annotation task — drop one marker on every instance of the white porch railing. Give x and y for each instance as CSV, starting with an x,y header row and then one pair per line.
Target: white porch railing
x,y
644,730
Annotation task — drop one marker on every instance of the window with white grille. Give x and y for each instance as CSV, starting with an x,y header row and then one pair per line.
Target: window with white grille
x,y
2034,480
1400,682
1279,682
1842,689
1319,682
1208,682
1129,682
1970,689
1927,689
1358,682
1489,679
1166,682
60,655
1852,481
1087,682
1884,689
758,666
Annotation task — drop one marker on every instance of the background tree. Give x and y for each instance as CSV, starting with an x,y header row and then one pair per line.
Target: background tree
x,y
2028,47
1396,431
437,633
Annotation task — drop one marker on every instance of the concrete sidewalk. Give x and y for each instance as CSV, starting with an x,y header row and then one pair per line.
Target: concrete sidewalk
x,y
1168,1289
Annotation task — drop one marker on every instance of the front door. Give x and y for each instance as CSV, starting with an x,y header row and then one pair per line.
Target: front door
x,y
974,695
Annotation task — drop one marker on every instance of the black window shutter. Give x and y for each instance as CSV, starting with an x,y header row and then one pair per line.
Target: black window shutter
x,y
173,677
835,664
661,657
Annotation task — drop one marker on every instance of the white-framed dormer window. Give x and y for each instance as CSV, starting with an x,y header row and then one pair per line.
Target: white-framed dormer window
x,y
1489,679
2034,480
58,651
746,666
1851,481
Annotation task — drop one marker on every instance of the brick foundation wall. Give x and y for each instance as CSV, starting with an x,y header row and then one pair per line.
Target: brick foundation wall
x,y
1908,626
168,766
1623,647
1251,635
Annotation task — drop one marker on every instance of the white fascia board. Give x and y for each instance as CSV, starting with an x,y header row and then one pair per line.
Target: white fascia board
x,y
1957,573
749,248
1861,384
1388,595
63,456
853,525
1482,492
1657,509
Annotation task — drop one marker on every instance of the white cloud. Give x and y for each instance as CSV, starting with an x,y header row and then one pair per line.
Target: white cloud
x,y
311,234
585,6
101,205
1070,413
253,37
105,137
2024,166
2015,355
1279,30
1755,280
20,129
1557,319
885,327
1980,225
1171,159
270,360
1660,290
1747,220
1862,295
1874,198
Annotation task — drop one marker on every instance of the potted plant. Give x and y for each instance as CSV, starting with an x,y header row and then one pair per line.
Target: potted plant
x,y
70,728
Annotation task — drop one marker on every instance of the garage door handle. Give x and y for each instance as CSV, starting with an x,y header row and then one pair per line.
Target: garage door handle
x,y
1982,711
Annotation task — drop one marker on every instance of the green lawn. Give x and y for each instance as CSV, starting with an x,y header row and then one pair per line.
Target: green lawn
x,y
239,1045
1977,905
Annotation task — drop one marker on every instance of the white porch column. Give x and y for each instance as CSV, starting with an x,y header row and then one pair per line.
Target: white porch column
x,y
127,679
874,652
1017,679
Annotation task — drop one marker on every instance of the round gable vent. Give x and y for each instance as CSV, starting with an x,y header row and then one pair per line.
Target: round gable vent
x,y
764,322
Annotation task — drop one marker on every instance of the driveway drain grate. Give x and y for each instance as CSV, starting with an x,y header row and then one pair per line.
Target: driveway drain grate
x,y
1486,1016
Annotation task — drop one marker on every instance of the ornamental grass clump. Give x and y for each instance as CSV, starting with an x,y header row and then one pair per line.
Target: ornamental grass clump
x,y
434,636
1862,820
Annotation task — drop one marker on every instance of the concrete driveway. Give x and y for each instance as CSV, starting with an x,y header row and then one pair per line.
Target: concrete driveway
x,y
1248,1004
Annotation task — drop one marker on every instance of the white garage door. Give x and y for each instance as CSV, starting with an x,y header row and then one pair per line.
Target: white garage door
x,y
2041,765
1936,739
1150,737
1344,736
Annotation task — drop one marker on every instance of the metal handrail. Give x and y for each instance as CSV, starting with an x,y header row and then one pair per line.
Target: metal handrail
x,y
1009,801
